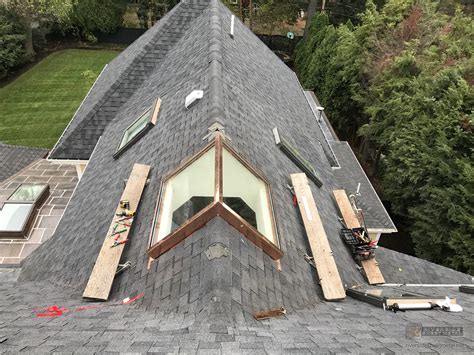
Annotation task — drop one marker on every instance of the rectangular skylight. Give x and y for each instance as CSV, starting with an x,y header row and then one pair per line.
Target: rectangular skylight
x,y
18,211
296,157
29,192
14,219
138,128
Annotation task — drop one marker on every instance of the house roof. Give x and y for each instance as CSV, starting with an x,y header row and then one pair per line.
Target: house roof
x,y
120,79
189,301
14,158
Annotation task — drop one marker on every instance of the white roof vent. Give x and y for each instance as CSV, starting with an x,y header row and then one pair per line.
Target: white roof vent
x,y
232,22
193,97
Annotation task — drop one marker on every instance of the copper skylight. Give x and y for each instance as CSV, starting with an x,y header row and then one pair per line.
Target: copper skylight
x,y
215,182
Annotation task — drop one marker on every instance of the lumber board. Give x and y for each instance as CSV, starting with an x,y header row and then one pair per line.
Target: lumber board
x,y
103,274
328,274
270,313
371,267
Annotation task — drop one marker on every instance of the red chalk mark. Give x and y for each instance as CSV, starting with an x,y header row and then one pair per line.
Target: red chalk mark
x,y
86,307
56,312
133,299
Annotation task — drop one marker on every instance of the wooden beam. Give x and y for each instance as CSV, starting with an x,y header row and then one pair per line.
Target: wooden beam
x,y
270,313
329,277
248,231
156,111
370,266
196,222
102,276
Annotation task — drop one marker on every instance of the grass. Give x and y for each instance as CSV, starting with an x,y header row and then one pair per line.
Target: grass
x,y
37,106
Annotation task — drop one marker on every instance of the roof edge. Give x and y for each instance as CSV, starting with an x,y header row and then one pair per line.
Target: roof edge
x,y
371,186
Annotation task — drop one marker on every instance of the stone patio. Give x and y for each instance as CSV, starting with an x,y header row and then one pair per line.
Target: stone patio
x,y
62,180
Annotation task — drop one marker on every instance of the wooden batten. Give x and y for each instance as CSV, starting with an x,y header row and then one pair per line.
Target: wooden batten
x,y
270,313
329,277
370,266
102,276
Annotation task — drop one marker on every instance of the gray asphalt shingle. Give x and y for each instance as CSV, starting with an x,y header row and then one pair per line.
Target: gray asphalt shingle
x,y
15,158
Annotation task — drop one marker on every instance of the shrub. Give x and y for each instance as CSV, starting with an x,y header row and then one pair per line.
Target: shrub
x,y
12,37
92,16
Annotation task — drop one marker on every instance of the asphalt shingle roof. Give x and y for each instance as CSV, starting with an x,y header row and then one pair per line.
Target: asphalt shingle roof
x,y
120,79
327,328
191,303
14,158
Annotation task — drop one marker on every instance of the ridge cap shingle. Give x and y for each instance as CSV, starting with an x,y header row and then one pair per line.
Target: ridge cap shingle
x,y
216,111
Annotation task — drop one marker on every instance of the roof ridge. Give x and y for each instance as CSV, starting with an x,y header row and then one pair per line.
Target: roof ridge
x,y
216,99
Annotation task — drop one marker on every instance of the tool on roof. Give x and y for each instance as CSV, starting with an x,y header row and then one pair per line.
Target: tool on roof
x,y
125,204
292,190
118,232
126,213
352,220
310,260
358,241
124,219
270,313
122,267
117,243
125,224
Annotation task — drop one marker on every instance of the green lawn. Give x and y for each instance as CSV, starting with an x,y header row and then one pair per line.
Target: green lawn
x,y
37,106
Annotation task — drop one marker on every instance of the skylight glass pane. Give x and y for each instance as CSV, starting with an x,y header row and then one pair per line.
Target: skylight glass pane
x,y
135,128
187,193
27,193
13,216
247,195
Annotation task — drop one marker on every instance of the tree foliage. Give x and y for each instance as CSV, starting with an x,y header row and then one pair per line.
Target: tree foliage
x,y
93,16
40,15
274,13
150,11
401,79
12,37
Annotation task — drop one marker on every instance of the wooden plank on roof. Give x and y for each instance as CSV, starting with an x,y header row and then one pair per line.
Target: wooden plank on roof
x,y
371,267
103,274
329,277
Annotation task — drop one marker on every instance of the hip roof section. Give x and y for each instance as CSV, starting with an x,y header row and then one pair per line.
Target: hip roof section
x,y
249,91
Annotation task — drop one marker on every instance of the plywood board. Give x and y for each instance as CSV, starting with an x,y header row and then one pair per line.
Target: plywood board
x,y
371,267
329,277
102,276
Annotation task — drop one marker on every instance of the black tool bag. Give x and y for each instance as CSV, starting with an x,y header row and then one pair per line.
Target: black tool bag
x,y
358,241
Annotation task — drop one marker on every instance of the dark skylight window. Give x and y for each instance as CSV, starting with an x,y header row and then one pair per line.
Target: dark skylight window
x,y
296,157
138,128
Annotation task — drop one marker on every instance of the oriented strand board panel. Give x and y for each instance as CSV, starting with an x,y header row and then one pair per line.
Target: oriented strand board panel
x,y
329,277
371,267
103,274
